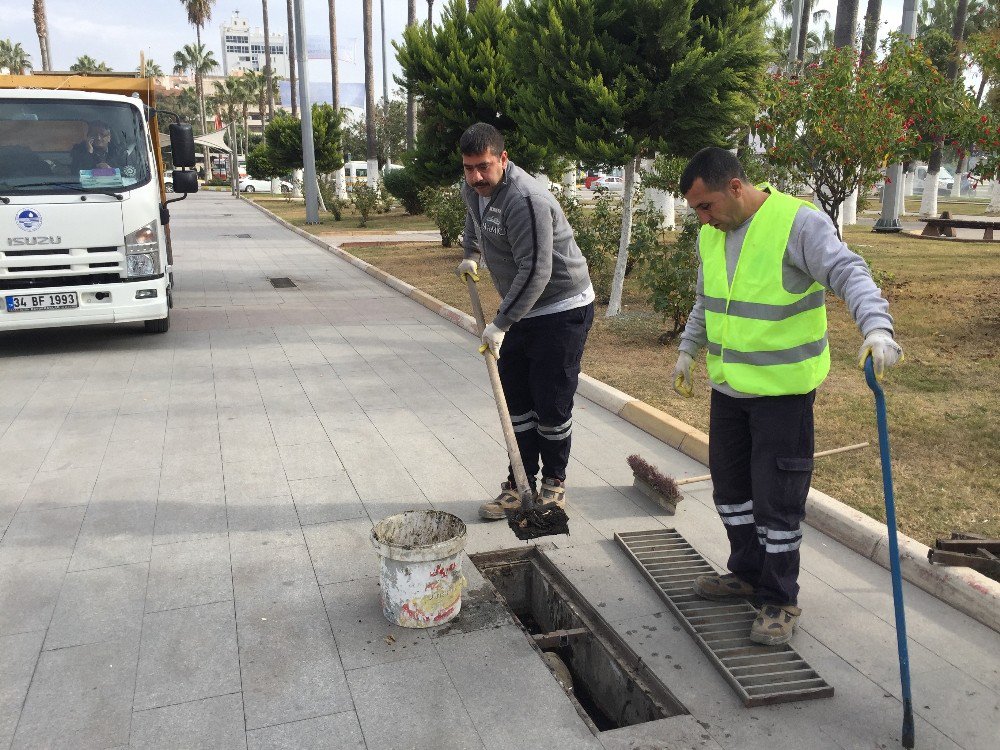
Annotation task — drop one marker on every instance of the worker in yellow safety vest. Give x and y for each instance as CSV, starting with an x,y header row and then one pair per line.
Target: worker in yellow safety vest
x,y
767,260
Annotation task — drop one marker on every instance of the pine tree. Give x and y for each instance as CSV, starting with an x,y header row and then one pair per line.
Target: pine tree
x,y
460,76
606,80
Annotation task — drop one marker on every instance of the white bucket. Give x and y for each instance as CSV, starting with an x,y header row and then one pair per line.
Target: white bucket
x,y
420,570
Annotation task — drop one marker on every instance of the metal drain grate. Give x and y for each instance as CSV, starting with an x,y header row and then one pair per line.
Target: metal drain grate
x,y
282,282
761,675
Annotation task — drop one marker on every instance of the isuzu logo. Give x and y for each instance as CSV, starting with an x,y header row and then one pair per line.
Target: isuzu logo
x,y
29,219
40,240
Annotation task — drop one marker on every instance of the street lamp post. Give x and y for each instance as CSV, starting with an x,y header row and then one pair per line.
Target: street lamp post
x,y
308,150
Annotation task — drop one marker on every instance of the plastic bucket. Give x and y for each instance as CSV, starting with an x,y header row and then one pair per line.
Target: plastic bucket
x,y
420,570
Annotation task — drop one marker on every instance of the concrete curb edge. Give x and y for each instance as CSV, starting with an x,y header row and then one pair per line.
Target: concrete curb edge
x,y
963,588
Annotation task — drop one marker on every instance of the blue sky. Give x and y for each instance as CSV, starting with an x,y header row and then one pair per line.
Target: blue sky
x,y
115,31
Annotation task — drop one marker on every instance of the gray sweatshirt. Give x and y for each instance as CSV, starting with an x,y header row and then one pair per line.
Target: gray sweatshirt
x,y
527,244
814,253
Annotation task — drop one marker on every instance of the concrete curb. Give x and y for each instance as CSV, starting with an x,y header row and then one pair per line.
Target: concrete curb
x,y
963,588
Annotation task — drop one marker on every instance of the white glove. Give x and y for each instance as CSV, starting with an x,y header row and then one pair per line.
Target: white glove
x,y
467,266
682,375
884,351
492,340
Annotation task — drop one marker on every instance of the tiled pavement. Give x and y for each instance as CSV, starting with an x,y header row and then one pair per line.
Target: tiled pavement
x,y
184,559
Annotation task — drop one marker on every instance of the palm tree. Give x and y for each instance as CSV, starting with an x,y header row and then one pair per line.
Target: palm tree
x,y
258,93
268,69
14,58
42,29
227,102
846,24
372,151
151,69
198,61
411,104
199,13
87,64
430,14
292,73
870,34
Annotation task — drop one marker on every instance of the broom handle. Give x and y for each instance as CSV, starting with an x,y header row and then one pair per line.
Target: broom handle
x,y
845,449
517,468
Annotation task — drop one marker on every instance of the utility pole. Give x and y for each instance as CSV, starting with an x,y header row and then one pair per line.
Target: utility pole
x,y
309,185
892,190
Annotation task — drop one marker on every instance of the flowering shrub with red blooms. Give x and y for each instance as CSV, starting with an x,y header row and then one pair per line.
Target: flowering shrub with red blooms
x,y
984,50
836,127
843,121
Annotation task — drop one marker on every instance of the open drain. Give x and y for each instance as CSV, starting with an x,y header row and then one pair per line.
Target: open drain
x,y
609,684
761,675
282,282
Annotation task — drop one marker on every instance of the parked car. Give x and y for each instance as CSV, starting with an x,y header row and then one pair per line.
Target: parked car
x,y
945,180
607,182
590,179
250,185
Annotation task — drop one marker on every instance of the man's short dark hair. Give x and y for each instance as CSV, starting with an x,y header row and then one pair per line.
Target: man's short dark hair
x,y
479,138
715,166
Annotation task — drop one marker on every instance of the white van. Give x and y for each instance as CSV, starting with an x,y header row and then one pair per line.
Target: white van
x,y
945,179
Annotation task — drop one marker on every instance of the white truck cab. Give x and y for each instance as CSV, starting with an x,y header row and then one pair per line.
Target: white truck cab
x,y
82,209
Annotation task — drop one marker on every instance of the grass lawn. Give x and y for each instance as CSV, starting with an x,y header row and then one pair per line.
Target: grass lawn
x,y
292,211
942,402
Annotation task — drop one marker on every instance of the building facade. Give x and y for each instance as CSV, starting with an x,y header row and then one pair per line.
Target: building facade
x,y
243,48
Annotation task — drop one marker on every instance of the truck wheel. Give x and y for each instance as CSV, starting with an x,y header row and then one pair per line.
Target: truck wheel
x,y
162,325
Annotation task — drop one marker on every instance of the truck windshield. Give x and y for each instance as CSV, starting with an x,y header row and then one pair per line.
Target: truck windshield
x,y
60,146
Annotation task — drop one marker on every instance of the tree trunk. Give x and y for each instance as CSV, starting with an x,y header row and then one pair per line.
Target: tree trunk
x,y
618,281
411,102
430,14
42,29
804,28
929,201
292,75
958,34
372,150
268,70
870,35
994,208
963,167
846,23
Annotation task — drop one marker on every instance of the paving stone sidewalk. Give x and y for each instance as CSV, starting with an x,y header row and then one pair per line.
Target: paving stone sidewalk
x,y
185,562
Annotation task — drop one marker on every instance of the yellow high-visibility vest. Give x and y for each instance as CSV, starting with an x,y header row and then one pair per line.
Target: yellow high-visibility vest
x,y
762,339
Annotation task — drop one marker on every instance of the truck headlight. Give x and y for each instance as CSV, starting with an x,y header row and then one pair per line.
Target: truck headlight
x,y
142,251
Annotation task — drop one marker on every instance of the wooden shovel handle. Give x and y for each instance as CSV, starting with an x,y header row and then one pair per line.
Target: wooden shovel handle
x,y
520,478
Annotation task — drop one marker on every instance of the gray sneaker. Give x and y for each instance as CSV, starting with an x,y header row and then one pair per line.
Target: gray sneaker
x,y
775,625
722,587
496,509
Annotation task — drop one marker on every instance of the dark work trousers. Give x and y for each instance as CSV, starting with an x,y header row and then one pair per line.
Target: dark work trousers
x,y
760,454
539,368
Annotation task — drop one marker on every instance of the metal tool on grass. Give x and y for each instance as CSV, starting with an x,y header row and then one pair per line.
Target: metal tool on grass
x,y
532,519
890,522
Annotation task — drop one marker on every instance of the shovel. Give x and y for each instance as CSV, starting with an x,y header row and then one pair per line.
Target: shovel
x,y
532,519
897,582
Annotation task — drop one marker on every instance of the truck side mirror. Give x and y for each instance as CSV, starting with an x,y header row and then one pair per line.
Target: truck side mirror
x,y
182,144
185,181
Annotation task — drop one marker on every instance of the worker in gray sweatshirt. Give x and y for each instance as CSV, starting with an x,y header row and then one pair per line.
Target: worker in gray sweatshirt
x,y
520,232
767,261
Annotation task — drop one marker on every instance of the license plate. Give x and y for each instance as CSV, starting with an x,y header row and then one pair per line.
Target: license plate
x,y
46,301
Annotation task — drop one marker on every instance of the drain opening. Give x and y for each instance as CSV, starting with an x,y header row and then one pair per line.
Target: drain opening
x,y
282,282
605,679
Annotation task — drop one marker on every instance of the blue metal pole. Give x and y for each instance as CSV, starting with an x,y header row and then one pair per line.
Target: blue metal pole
x,y
897,581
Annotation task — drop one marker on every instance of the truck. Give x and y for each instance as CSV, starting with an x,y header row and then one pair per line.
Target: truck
x,y
84,223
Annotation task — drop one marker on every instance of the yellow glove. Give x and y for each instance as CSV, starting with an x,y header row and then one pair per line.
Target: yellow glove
x,y
884,351
683,383
468,266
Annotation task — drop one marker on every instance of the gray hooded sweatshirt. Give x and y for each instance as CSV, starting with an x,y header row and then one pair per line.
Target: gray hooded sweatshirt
x,y
527,244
